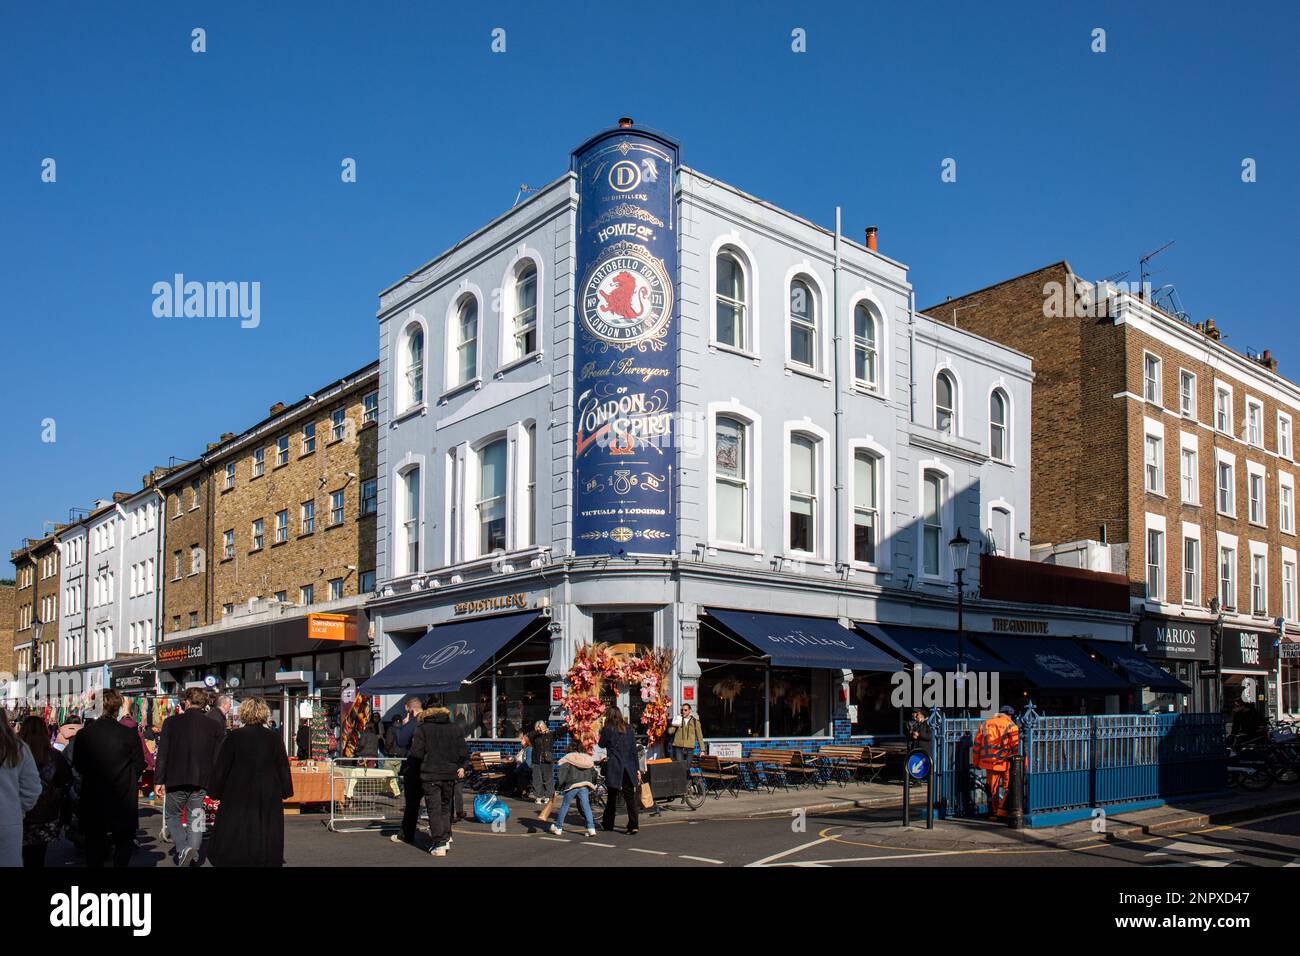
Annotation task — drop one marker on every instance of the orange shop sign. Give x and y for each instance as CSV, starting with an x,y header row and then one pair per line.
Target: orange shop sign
x,y
327,627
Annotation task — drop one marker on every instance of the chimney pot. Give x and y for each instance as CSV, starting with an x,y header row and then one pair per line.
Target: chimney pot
x,y
624,122
871,238
226,436
277,408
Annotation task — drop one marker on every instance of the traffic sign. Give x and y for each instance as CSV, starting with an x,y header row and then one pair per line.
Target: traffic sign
x,y
918,765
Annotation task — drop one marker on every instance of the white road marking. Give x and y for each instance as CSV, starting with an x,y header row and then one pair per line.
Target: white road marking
x,y
555,839
637,849
869,859
784,853
702,859
593,843
1198,849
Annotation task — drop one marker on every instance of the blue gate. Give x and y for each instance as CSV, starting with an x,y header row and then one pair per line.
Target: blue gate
x,y
1075,763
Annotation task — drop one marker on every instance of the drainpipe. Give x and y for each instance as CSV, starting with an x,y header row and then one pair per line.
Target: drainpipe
x,y
911,356
839,398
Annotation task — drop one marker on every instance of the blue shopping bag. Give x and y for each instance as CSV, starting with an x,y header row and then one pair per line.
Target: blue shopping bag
x,y
489,807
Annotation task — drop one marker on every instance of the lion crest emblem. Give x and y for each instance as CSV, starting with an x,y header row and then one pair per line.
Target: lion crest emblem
x,y
627,300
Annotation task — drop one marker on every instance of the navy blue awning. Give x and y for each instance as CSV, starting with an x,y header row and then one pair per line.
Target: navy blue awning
x,y
788,640
441,660
1140,670
934,649
1054,664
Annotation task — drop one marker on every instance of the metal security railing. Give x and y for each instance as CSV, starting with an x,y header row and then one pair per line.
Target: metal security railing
x,y
1074,763
365,792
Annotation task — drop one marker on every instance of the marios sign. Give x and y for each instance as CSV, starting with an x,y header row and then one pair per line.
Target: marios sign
x,y
1166,639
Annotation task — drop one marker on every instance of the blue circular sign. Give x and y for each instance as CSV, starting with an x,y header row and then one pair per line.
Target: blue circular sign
x,y
918,765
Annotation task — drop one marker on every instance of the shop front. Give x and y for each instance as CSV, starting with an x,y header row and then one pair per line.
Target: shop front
x,y
1289,676
299,665
1249,669
1183,649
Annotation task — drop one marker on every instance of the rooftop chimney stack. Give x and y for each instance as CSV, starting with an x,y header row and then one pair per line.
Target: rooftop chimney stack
x,y
1268,361
1212,330
625,122
277,408
871,238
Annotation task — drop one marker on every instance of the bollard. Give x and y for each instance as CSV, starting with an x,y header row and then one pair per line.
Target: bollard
x,y
1015,805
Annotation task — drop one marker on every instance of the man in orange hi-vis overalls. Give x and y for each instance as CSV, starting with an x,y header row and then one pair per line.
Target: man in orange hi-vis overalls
x,y
997,741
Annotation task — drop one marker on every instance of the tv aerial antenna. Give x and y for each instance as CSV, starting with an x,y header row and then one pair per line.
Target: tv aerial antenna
x,y
1143,272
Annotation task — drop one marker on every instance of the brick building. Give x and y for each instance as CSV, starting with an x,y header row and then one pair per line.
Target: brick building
x,y
1169,456
36,599
8,612
269,539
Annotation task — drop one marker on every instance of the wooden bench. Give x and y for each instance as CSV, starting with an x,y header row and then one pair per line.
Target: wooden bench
x,y
488,770
785,765
852,760
716,779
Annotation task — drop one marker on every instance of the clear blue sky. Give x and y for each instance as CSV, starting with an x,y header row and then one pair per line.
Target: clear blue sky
x,y
225,166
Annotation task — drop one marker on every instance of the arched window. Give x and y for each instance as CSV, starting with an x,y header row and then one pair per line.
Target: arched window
x,y
945,402
998,447
803,324
866,506
491,503
1000,530
864,346
411,381
803,494
731,481
932,523
523,321
730,293
465,353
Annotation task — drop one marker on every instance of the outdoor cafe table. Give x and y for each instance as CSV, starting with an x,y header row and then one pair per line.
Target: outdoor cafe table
x,y
311,782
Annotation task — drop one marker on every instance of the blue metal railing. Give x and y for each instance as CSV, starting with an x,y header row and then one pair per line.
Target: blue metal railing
x,y
1075,763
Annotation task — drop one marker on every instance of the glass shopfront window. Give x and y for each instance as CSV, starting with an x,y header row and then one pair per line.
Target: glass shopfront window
x,y
1290,687
871,693
509,696
740,696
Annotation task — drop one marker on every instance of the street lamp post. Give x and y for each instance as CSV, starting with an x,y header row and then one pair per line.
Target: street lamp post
x,y
959,553
1216,608
38,628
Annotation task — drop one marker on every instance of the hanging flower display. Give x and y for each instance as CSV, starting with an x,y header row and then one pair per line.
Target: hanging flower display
x,y
594,667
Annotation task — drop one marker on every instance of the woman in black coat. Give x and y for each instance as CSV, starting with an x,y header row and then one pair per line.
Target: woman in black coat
x,y
622,769
251,779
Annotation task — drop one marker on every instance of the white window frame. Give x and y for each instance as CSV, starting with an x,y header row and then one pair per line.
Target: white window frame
x,y
731,243
1222,458
1155,524
1285,502
1254,424
753,476
304,527
1256,478
1221,389
1192,532
1149,384
398,535
474,489
338,424
259,462
1189,443
369,414
230,476
1258,558
1006,456
821,489
884,490
308,437
465,293
1186,409
1290,585
947,515
338,514
509,353
805,271
1153,434
954,430
876,316
282,451
1227,542
1007,548
1285,427
281,529
405,383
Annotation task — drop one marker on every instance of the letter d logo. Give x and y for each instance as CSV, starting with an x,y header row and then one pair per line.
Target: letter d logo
x,y
624,176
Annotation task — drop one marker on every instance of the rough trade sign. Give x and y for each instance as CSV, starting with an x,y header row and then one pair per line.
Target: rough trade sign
x,y
626,339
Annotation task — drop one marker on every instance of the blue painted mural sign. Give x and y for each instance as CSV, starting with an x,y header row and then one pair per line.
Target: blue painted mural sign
x,y
625,395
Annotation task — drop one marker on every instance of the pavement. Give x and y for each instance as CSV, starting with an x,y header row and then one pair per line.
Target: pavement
x,y
851,826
